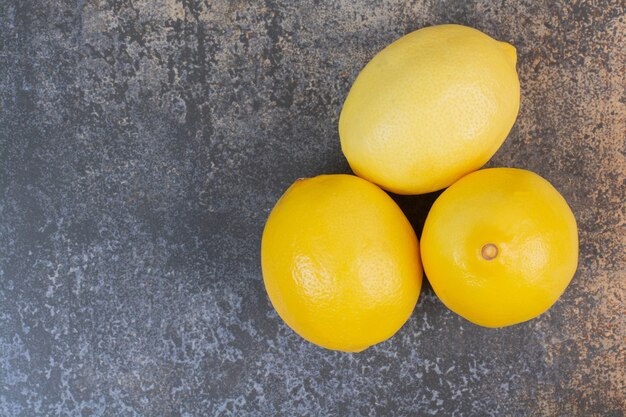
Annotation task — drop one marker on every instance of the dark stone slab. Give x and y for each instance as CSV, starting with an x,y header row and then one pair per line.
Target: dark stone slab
x,y
142,145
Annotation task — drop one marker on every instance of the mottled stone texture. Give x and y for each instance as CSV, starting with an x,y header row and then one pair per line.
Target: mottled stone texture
x,y
142,145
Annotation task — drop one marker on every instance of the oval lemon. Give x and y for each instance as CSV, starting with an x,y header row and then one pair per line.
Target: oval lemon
x,y
340,262
500,246
431,107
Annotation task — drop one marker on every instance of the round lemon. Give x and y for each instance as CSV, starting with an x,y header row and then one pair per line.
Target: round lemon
x,y
340,262
431,107
500,246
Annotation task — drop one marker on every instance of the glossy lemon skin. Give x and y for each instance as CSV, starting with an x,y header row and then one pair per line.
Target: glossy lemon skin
x,y
340,262
535,233
431,107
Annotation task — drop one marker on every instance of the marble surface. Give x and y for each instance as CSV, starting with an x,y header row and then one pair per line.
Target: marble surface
x,y
142,145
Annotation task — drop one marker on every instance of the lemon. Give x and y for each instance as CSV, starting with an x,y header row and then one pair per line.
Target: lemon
x,y
340,262
431,107
500,246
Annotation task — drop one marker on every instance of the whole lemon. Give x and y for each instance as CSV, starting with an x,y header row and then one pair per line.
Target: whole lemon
x,y
500,246
340,262
431,107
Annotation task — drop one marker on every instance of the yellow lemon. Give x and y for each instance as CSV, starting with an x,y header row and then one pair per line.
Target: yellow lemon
x,y
500,246
431,107
340,262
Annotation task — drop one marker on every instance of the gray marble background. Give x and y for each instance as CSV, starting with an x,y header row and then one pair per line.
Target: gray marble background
x,y
142,145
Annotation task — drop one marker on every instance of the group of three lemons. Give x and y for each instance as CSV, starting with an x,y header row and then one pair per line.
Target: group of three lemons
x,y
341,263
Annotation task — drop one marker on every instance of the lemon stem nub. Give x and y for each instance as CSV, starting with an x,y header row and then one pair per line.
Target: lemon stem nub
x,y
489,251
